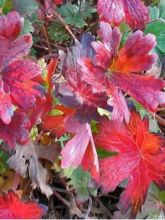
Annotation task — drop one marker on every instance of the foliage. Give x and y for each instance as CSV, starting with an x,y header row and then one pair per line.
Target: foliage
x,y
84,118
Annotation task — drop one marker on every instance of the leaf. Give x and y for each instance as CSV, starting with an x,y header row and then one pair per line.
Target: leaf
x,y
25,162
114,71
80,181
154,206
2,3
17,74
22,87
58,2
56,123
25,7
134,13
7,6
57,32
27,27
3,162
80,149
6,110
157,28
149,94
140,160
16,131
76,15
44,105
129,60
12,207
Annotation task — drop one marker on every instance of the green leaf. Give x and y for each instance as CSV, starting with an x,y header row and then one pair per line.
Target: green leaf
x,y
157,28
27,27
80,180
157,25
162,9
3,162
102,153
75,15
57,32
2,3
7,7
25,7
94,126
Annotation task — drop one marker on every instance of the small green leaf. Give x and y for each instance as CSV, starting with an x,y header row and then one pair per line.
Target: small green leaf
x,y
94,126
2,2
27,27
57,32
7,7
25,7
102,153
157,25
80,180
3,162
75,15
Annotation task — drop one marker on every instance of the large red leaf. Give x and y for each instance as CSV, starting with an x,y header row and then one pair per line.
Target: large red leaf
x,y
111,71
11,207
17,131
80,149
139,159
133,12
18,81
144,89
18,86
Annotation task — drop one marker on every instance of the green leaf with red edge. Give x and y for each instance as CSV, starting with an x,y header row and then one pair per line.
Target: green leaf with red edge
x,y
140,160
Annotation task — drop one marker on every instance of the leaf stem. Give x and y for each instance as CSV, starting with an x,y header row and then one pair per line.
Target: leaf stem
x,y
64,24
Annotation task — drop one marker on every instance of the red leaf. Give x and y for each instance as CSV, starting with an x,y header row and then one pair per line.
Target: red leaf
x,y
10,25
135,55
18,81
111,71
14,50
44,105
16,131
17,75
144,89
82,89
80,150
58,2
133,12
120,108
140,160
56,123
11,207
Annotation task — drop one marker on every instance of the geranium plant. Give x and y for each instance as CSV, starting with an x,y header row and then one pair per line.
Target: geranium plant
x,y
82,109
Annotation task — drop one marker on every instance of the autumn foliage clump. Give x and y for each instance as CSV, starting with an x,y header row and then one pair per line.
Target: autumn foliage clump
x,y
82,108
